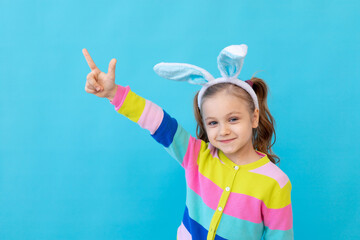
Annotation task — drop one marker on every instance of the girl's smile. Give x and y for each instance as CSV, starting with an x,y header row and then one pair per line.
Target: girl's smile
x,y
226,141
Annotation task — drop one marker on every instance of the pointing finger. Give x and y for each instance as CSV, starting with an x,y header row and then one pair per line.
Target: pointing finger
x,y
89,60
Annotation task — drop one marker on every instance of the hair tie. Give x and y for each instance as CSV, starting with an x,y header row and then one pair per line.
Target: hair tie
x,y
250,82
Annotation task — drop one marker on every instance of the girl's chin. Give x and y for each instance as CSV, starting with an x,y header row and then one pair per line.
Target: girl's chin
x,y
227,150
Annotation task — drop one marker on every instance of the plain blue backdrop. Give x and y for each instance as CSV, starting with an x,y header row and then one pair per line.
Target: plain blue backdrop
x,y
71,167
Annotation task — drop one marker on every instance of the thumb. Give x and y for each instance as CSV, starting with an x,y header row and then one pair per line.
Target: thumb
x,y
112,66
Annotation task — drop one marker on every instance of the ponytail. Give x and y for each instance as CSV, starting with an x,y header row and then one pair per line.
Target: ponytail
x,y
262,135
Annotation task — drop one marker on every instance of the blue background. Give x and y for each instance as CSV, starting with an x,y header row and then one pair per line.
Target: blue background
x,y
71,167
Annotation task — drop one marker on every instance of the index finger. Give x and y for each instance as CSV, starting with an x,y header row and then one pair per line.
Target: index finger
x,y
89,60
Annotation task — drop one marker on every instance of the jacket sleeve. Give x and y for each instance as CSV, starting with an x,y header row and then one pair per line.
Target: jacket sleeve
x,y
162,127
277,216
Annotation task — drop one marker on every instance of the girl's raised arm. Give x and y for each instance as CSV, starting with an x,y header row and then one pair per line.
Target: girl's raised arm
x,y
162,127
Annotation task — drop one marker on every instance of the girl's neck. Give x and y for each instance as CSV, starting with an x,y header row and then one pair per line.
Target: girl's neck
x,y
244,156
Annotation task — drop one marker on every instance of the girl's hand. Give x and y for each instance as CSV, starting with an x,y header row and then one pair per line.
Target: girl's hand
x,y
99,83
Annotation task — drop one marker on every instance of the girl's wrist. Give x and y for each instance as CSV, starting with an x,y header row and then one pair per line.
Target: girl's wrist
x,y
112,93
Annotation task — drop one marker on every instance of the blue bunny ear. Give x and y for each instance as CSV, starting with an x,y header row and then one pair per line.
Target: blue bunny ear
x,y
183,72
231,59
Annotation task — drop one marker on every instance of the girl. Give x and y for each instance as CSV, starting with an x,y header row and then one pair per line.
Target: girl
x,y
234,189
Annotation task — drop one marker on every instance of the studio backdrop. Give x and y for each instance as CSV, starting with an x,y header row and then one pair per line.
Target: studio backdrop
x,y
71,167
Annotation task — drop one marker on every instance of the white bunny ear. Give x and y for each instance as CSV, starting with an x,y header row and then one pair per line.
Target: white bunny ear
x,y
231,59
183,72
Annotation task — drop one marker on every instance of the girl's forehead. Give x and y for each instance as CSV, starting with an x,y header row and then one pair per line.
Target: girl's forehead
x,y
223,103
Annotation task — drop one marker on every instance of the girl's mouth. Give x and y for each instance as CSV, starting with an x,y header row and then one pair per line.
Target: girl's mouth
x,y
226,141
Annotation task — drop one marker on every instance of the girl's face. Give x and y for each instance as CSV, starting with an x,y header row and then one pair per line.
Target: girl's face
x,y
228,123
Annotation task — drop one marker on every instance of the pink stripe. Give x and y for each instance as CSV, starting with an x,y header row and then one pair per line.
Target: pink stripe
x,y
238,205
273,171
120,96
192,152
151,117
279,219
244,207
183,233
204,187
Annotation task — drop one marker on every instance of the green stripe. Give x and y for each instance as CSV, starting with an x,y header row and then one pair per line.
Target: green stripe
x,y
279,234
179,145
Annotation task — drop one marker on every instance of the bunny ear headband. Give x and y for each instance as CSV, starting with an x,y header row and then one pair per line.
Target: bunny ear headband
x,y
230,61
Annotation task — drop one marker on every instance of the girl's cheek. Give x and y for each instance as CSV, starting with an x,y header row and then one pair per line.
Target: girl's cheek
x,y
211,132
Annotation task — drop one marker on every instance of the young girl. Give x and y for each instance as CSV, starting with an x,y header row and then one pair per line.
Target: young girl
x,y
234,189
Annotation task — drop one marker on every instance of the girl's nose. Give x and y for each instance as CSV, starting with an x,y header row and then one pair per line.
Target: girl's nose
x,y
224,129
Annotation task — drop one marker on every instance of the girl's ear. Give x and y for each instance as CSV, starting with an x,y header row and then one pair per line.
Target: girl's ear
x,y
183,72
256,118
231,59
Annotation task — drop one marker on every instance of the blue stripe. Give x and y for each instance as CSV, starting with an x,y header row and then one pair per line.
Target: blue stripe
x,y
166,131
195,229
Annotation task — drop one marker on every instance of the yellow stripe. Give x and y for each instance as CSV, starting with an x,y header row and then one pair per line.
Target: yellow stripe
x,y
282,198
133,106
256,185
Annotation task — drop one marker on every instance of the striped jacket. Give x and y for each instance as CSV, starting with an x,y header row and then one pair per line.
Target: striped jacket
x,y
223,200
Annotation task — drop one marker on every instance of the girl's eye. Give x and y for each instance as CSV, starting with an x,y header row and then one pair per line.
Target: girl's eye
x,y
233,119
212,123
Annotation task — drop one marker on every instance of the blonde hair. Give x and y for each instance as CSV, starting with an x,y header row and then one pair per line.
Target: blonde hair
x,y
262,135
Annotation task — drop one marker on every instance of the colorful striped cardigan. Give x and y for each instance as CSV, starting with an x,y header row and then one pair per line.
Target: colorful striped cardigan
x,y
223,200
